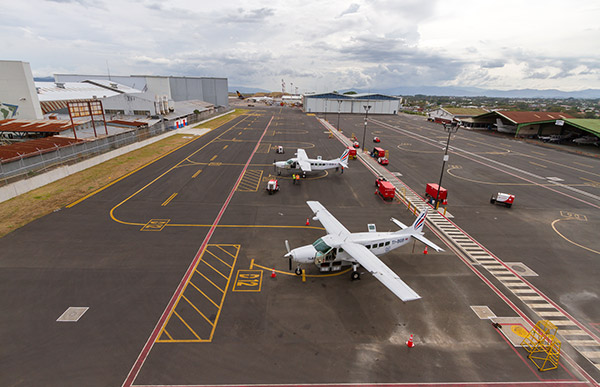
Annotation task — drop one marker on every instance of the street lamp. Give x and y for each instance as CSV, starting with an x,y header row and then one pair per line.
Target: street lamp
x,y
339,108
367,108
451,130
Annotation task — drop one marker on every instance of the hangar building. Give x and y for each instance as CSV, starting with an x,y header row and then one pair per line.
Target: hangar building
x,y
211,90
351,103
18,96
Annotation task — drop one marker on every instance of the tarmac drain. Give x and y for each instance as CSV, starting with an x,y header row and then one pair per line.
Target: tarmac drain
x,y
520,268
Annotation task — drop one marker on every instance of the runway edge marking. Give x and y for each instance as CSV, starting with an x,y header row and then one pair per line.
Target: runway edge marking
x,y
135,369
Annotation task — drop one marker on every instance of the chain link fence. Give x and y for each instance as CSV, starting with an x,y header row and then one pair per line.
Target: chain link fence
x,y
28,165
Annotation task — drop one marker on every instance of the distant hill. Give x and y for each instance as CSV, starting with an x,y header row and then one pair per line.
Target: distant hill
x,y
43,79
448,91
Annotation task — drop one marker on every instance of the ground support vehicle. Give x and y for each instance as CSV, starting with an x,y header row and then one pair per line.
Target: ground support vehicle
x,y
431,193
385,189
377,152
280,149
351,153
502,198
356,144
383,161
272,186
376,139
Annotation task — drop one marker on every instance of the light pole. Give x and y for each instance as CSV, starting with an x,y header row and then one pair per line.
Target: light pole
x,y
325,109
339,108
451,130
367,108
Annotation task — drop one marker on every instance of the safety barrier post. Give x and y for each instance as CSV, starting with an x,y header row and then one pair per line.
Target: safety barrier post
x,y
445,209
542,340
303,275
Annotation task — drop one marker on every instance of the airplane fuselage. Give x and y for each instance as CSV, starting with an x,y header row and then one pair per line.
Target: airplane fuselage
x,y
328,258
315,164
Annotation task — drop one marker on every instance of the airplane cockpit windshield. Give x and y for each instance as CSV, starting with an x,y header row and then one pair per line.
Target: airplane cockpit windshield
x,y
321,246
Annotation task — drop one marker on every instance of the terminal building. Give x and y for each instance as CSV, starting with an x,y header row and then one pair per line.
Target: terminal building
x,y
351,103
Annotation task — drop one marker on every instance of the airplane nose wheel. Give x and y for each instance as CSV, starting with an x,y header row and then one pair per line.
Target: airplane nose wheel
x,y
355,275
298,271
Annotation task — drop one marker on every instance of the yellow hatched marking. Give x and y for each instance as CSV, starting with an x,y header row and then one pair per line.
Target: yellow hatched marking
x,y
201,292
186,324
169,200
206,278
216,271
225,251
225,147
250,181
225,263
197,310
219,305
214,157
167,333
196,174
155,225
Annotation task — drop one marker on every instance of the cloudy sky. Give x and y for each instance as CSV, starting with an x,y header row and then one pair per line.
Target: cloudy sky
x,y
314,45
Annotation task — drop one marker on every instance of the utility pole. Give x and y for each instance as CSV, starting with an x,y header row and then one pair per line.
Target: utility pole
x,y
451,129
367,108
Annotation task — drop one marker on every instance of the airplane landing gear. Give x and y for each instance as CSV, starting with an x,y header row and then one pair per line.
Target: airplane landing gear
x,y
298,271
355,275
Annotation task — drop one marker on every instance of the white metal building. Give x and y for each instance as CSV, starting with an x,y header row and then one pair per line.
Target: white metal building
x,y
18,97
351,103
211,90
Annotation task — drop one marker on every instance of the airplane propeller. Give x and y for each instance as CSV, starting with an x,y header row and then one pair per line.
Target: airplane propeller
x,y
287,247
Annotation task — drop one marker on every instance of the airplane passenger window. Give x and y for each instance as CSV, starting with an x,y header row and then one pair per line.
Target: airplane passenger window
x,y
381,244
368,246
387,243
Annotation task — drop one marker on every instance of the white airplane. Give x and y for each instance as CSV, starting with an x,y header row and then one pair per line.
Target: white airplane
x,y
586,140
302,163
504,128
341,247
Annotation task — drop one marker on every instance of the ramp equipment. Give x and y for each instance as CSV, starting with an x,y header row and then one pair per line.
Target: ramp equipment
x,y
543,346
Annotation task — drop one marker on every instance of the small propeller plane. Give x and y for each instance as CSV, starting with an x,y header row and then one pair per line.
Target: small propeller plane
x,y
341,247
302,163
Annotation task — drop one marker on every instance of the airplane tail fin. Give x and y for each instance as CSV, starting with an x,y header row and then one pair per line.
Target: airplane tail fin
x,y
344,158
240,96
420,221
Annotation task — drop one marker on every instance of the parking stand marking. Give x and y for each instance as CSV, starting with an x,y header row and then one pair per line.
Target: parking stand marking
x,y
203,296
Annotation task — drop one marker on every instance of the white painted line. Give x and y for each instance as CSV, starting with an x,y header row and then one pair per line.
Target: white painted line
x,y
550,314
531,298
591,354
562,322
545,305
72,314
584,343
521,291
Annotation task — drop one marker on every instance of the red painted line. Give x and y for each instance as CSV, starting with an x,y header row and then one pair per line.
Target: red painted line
x,y
159,325
458,384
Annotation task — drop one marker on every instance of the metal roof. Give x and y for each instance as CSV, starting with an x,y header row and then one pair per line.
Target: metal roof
x,y
588,124
470,112
530,117
36,126
69,91
33,147
362,96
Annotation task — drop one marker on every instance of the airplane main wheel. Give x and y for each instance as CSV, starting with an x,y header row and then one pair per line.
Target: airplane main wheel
x,y
355,275
298,271
492,200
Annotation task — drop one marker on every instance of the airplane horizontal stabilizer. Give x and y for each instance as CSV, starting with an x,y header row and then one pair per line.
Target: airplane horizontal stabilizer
x,y
426,241
399,223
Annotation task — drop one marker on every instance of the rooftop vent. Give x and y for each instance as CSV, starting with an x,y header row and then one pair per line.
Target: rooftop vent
x,y
114,85
60,85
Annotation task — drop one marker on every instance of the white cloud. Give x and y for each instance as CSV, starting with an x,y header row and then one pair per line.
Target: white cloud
x,y
316,45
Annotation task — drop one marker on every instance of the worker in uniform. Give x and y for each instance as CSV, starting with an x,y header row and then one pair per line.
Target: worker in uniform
x,y
293,178
298,178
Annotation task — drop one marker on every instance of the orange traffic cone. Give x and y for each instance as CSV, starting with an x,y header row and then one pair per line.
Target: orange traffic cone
x,y
273,275
425,251
410,343
307,222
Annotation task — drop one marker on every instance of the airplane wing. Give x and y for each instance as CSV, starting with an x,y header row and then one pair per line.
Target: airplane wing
x,y
426,241
384,274
302,160
331,224
301,153
304,165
